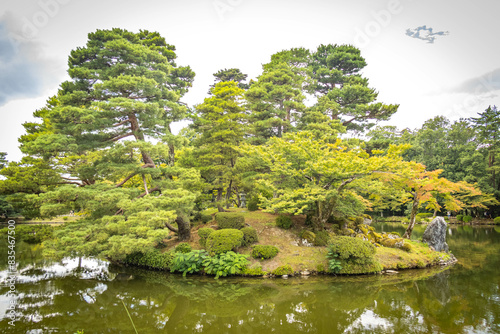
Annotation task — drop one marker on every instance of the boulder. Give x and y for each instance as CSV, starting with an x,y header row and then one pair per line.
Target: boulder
x,y
435,235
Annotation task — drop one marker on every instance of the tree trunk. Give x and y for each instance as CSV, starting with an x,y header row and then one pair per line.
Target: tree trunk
x,y
228,194
219,199
183,228
414,210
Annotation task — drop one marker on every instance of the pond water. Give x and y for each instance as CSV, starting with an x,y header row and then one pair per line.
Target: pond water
x,y
90,295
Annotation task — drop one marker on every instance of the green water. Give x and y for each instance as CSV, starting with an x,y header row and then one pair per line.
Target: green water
x,y
72,295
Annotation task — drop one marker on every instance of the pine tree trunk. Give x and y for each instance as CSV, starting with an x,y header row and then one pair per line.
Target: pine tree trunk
x,y
219,199
183,228
228,194
414,210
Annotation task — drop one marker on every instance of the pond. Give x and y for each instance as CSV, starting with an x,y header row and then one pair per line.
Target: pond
x,y
96,297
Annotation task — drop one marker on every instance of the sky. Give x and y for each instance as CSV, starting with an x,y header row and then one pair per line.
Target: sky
x,y
430,57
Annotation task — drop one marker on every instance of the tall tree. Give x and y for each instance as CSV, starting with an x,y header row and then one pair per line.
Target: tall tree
x,y
275,101
221,123
342,92
232,74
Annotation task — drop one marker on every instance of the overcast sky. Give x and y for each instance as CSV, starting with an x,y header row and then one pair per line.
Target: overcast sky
x,y
431,57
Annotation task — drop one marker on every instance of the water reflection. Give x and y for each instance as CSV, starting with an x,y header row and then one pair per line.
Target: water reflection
x,y
87,294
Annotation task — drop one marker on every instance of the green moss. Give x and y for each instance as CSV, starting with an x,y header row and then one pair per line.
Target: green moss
x,y
203,233
230,220
223,241
249,236
264,252
284,222
283,270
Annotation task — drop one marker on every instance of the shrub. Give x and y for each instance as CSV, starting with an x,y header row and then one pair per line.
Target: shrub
x,y
322,238
249,236
222,241
183,247
253,203
225,264
496,220
355,255
264,252
420,216
284,222
203,233
283,270
152,259
460,218
202,217
254,271
349,249
233,220
191,262
467,219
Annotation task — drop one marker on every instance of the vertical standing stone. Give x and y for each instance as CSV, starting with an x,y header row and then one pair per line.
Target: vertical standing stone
x,y
435,235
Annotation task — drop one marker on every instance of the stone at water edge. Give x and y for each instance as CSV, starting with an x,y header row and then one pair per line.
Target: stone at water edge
x,y
435,235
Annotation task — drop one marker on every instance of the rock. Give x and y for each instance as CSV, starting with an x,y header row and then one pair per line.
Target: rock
x,y
388,271
435,235
305,273
284,276
367,221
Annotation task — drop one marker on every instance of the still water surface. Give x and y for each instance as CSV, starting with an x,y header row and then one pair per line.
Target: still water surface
x,y
72,295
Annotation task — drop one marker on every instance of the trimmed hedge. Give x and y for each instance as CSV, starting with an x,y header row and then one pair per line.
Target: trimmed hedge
x,y
283,270
467,219
249,236
460,218
203,233
264,251
497,220
253,203
183,247
225,240
232,220
152,259
284,222
355,254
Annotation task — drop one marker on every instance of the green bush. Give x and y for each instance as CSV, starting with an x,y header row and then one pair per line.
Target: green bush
x,y
467,219
420,216
183,247
253,203
322,238
283,270
152,259
222,241
264,251
202,217
496,220
232,220
203,233
189,263
284,222
249,236
460,218
355,255
229,263
32,234
254,271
